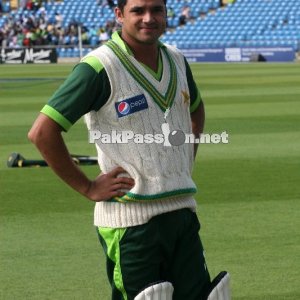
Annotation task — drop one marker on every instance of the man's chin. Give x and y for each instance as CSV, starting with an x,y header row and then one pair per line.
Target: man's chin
x,y
149,40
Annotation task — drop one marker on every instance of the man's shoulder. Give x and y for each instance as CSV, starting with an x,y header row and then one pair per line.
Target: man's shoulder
x,y
175,53
96,51
171,48
94,58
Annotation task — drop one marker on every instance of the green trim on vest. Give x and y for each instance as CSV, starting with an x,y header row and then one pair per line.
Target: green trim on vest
x,y
93,62
131,197
163,101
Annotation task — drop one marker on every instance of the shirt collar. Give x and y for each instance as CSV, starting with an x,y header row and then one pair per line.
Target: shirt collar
x,y
116,37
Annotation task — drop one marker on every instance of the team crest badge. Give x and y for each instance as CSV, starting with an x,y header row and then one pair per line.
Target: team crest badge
x,y
186,97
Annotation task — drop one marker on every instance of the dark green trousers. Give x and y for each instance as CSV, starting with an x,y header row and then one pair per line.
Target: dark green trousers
x,y
167,248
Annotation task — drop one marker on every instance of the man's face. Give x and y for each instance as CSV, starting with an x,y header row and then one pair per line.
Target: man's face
x,y
143,21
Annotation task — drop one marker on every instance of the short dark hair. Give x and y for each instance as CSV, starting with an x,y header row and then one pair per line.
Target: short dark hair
x,y
122,3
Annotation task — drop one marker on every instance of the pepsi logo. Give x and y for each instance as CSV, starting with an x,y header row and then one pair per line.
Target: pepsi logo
x,y
131,105
123,108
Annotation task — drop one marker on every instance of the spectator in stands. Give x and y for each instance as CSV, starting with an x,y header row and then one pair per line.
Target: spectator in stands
x,y
170,16
35,5
30,23
110,27
171,12
35,37
103,35
92,31
84,36
27,39
2,37
22,4
29,5
39,36
185,15
20,38
53,35
58,20
61,36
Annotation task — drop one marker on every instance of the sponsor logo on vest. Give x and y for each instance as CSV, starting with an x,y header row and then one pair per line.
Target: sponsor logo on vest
x,y
131,105
123,108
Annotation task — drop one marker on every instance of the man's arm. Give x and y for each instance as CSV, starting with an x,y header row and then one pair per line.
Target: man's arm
x,y
198,120
46,135
196,106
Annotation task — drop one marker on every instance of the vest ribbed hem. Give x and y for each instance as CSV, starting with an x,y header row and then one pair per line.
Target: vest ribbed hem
x,y
120,215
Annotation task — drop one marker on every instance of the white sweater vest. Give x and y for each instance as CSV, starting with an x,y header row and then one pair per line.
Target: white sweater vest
x,y
137,104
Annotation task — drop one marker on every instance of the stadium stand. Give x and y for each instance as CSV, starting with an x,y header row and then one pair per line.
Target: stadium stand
x,y
211,24
243,23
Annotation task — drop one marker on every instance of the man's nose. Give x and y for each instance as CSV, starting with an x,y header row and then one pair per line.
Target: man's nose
x,y
148,17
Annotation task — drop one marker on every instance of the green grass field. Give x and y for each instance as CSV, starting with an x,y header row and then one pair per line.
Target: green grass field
x,y
248,189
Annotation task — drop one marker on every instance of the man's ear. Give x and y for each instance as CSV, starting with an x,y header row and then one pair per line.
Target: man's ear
x,y
119,15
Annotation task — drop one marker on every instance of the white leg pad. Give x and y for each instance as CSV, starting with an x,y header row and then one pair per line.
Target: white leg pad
x,y
221,290
159,291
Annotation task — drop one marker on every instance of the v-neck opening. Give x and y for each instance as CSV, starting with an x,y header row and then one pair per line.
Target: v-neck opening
x,y
158,74
163,99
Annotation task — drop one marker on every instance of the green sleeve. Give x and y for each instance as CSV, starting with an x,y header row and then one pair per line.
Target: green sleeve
x,y
87,88
193,89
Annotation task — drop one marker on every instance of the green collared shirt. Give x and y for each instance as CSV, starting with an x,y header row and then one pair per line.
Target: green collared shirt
x,y
87,88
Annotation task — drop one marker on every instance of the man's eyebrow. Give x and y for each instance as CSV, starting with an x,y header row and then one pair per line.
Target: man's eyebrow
x,y
134,8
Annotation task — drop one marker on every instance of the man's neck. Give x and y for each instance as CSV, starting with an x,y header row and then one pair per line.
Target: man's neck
x,y
145,53
147,56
